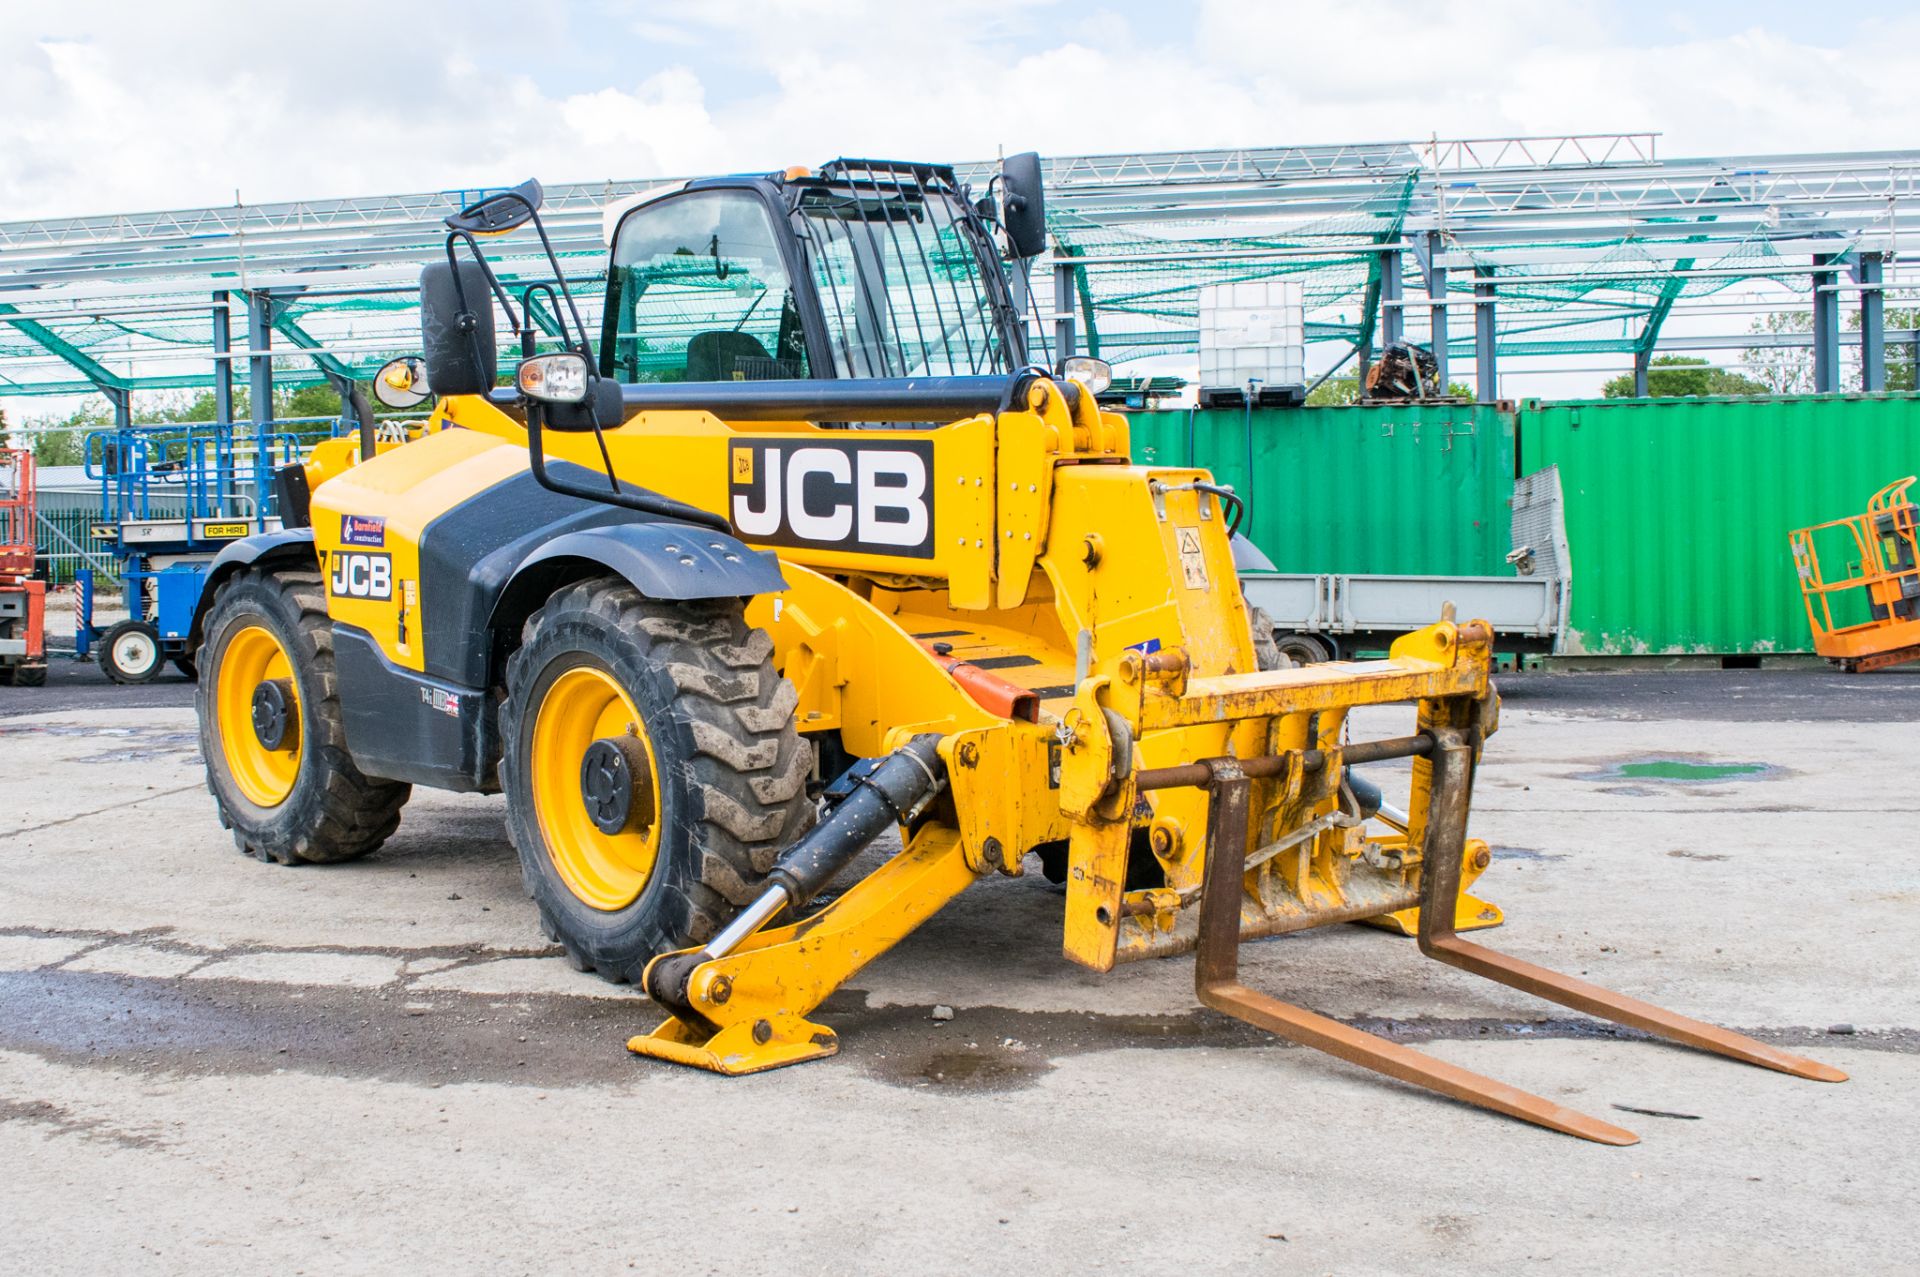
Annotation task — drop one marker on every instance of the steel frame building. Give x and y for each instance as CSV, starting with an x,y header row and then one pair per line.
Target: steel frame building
x,y
1490,250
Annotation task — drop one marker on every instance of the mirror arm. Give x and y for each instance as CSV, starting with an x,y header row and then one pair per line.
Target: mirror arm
x,y
493,281
641,502
363,413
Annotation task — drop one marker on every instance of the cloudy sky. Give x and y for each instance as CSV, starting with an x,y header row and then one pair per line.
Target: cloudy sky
x,y
117,105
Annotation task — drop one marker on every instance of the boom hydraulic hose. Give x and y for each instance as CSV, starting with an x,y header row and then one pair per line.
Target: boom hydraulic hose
x,y
881,794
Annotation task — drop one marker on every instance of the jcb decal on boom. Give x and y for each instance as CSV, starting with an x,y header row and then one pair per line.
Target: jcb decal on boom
x,y
868,498
361,576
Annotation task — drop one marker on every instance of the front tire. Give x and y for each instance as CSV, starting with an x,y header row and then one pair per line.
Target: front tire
x,y
713,771
289,791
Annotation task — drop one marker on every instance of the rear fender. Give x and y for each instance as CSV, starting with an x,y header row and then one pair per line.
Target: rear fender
x,y
289,547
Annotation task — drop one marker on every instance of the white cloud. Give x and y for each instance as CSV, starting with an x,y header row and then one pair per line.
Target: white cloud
x,y
122,105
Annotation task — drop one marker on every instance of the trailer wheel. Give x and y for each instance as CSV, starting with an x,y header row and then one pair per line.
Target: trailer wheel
x,y
653,770
1307,649
271,730
131,653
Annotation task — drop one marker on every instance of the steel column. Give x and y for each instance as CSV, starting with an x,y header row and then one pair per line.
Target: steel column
x,y
1826,323
121,397
260,363
1437,323
1641,359
222,365
1486,370
1873,323
1392,321
1063,301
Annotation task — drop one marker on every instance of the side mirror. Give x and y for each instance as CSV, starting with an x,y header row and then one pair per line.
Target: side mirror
x,y
403,383
456,328
498,214
1024,203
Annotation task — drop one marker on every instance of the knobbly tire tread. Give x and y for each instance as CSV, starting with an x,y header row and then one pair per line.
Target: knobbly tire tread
x,y
721,722
335,812
29,675
1266,646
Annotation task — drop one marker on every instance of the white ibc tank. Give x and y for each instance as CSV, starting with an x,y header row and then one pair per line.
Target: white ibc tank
x,y
1254,330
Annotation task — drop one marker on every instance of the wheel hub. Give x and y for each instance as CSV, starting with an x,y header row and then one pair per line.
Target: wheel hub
x,y
275,713
614,774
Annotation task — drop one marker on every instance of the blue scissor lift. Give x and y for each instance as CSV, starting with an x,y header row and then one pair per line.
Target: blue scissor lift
x,y
171,496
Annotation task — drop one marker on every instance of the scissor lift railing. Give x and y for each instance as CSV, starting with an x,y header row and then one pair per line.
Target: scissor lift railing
x,y
171,495
1884,572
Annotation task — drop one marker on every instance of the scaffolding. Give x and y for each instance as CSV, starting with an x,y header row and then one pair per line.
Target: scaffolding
x,y
1490,250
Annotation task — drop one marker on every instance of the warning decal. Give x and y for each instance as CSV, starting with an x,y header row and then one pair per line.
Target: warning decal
x,y
1193,560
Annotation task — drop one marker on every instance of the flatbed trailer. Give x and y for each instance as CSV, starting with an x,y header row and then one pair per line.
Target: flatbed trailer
x,y
1323,616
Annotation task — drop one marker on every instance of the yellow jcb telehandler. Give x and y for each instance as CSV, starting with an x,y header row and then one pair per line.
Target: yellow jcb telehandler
x,y
810,550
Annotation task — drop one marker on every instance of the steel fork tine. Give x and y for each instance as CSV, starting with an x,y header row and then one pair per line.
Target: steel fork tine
x,y
1452,760
1216,972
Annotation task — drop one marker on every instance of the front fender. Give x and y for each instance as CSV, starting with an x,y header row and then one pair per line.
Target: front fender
x,y
660,560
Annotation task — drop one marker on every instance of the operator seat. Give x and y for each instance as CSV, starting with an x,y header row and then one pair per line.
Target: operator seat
x,y
725,355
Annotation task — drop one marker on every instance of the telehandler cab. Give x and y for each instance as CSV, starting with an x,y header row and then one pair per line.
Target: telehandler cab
x,y
808,551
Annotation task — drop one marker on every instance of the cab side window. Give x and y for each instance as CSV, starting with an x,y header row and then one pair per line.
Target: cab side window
x,y
699,293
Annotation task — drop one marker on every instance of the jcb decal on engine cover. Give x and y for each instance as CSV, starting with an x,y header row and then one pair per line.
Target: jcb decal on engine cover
x,y
361,576
868,498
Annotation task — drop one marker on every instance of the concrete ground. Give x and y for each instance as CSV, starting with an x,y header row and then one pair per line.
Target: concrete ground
x,y
212,1065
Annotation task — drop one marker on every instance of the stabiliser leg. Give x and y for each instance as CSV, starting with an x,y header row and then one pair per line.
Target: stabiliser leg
x,y
1216,981
1452,760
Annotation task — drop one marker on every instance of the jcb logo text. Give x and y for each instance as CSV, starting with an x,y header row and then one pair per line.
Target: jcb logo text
x,y
362,576
867,498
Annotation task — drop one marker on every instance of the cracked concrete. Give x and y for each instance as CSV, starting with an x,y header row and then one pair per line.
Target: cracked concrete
x,y
383,1065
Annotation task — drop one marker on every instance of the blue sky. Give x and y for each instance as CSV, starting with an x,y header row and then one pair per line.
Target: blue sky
x,y
125,105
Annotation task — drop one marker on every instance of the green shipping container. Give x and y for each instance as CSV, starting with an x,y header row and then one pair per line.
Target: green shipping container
x,y
1418,489
1678,509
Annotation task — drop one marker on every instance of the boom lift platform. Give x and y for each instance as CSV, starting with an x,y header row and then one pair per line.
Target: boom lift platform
x,y
23,600
883,573
1882,573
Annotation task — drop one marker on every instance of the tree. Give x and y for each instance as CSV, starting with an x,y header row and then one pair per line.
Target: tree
x,y
62,440
1679,376
1788,370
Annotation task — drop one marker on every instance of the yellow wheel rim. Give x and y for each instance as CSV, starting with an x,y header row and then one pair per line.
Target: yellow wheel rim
x,y
251,657
606,871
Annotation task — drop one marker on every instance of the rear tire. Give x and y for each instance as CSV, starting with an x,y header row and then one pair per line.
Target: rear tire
x,y
1266,644
309,803
34,675
725,766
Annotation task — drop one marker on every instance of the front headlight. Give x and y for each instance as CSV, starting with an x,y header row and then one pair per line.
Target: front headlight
x,y
1095,374
554,378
